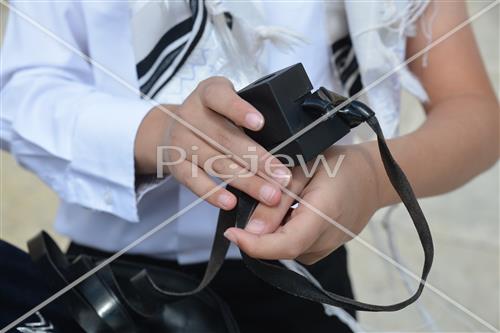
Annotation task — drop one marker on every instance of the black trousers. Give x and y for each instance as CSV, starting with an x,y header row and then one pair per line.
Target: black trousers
x,y
258,307
22,287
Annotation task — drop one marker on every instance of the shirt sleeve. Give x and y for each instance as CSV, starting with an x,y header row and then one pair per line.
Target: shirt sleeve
x,y
77,138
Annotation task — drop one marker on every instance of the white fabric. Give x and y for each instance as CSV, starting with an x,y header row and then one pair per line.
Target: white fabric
x,y
74,125
144,18
378,31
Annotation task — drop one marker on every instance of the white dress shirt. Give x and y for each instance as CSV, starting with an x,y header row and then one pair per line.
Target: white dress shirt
x,y
73,121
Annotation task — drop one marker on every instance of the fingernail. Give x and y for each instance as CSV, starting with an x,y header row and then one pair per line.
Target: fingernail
x,y
229,235
225,200
282,176
255,226
254,120
267,193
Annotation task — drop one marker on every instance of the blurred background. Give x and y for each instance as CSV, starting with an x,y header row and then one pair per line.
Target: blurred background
x,y
465,225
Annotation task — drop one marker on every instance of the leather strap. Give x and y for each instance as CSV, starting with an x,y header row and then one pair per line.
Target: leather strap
x,y
99,304
53,263
295,284
98,290
289,281
86,296
150,289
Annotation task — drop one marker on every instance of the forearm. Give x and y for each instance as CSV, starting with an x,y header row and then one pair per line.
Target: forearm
x,y
459,140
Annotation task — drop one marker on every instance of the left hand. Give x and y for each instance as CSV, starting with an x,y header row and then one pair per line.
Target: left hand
x,y
349,198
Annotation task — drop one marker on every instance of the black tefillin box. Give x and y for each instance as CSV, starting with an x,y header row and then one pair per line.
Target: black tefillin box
x,y
285,100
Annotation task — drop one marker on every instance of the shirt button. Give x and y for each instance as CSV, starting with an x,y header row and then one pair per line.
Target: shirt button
x,y
108,198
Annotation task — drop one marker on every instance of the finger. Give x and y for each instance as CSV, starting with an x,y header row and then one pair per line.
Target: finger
x,y
202,185
218,94
242,179
247,152
223,167
288,242
256,187
315,207
267,219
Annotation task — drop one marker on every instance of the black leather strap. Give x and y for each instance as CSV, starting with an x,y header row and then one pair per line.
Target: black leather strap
x,y
87,296
100,292
49,258
298,285
150,289
102,303
289,281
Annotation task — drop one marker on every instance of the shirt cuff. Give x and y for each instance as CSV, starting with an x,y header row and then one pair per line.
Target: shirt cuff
x,y
102,168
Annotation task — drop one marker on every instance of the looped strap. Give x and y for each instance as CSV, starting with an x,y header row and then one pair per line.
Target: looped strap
x,y
294,283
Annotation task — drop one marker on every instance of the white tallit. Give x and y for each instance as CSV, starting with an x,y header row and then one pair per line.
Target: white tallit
x,y
377,30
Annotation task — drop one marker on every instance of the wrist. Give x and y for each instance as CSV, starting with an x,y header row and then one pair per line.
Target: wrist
x,y
151,135
363,169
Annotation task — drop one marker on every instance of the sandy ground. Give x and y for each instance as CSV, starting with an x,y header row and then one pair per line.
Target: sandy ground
x,y
465,224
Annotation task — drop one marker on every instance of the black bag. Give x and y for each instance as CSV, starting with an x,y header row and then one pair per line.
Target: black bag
x,y
122,297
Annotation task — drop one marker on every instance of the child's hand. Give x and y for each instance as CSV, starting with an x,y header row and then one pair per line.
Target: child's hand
x,y
209,109
350,198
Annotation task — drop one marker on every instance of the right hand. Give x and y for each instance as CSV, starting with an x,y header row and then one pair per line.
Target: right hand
x,y
214,109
